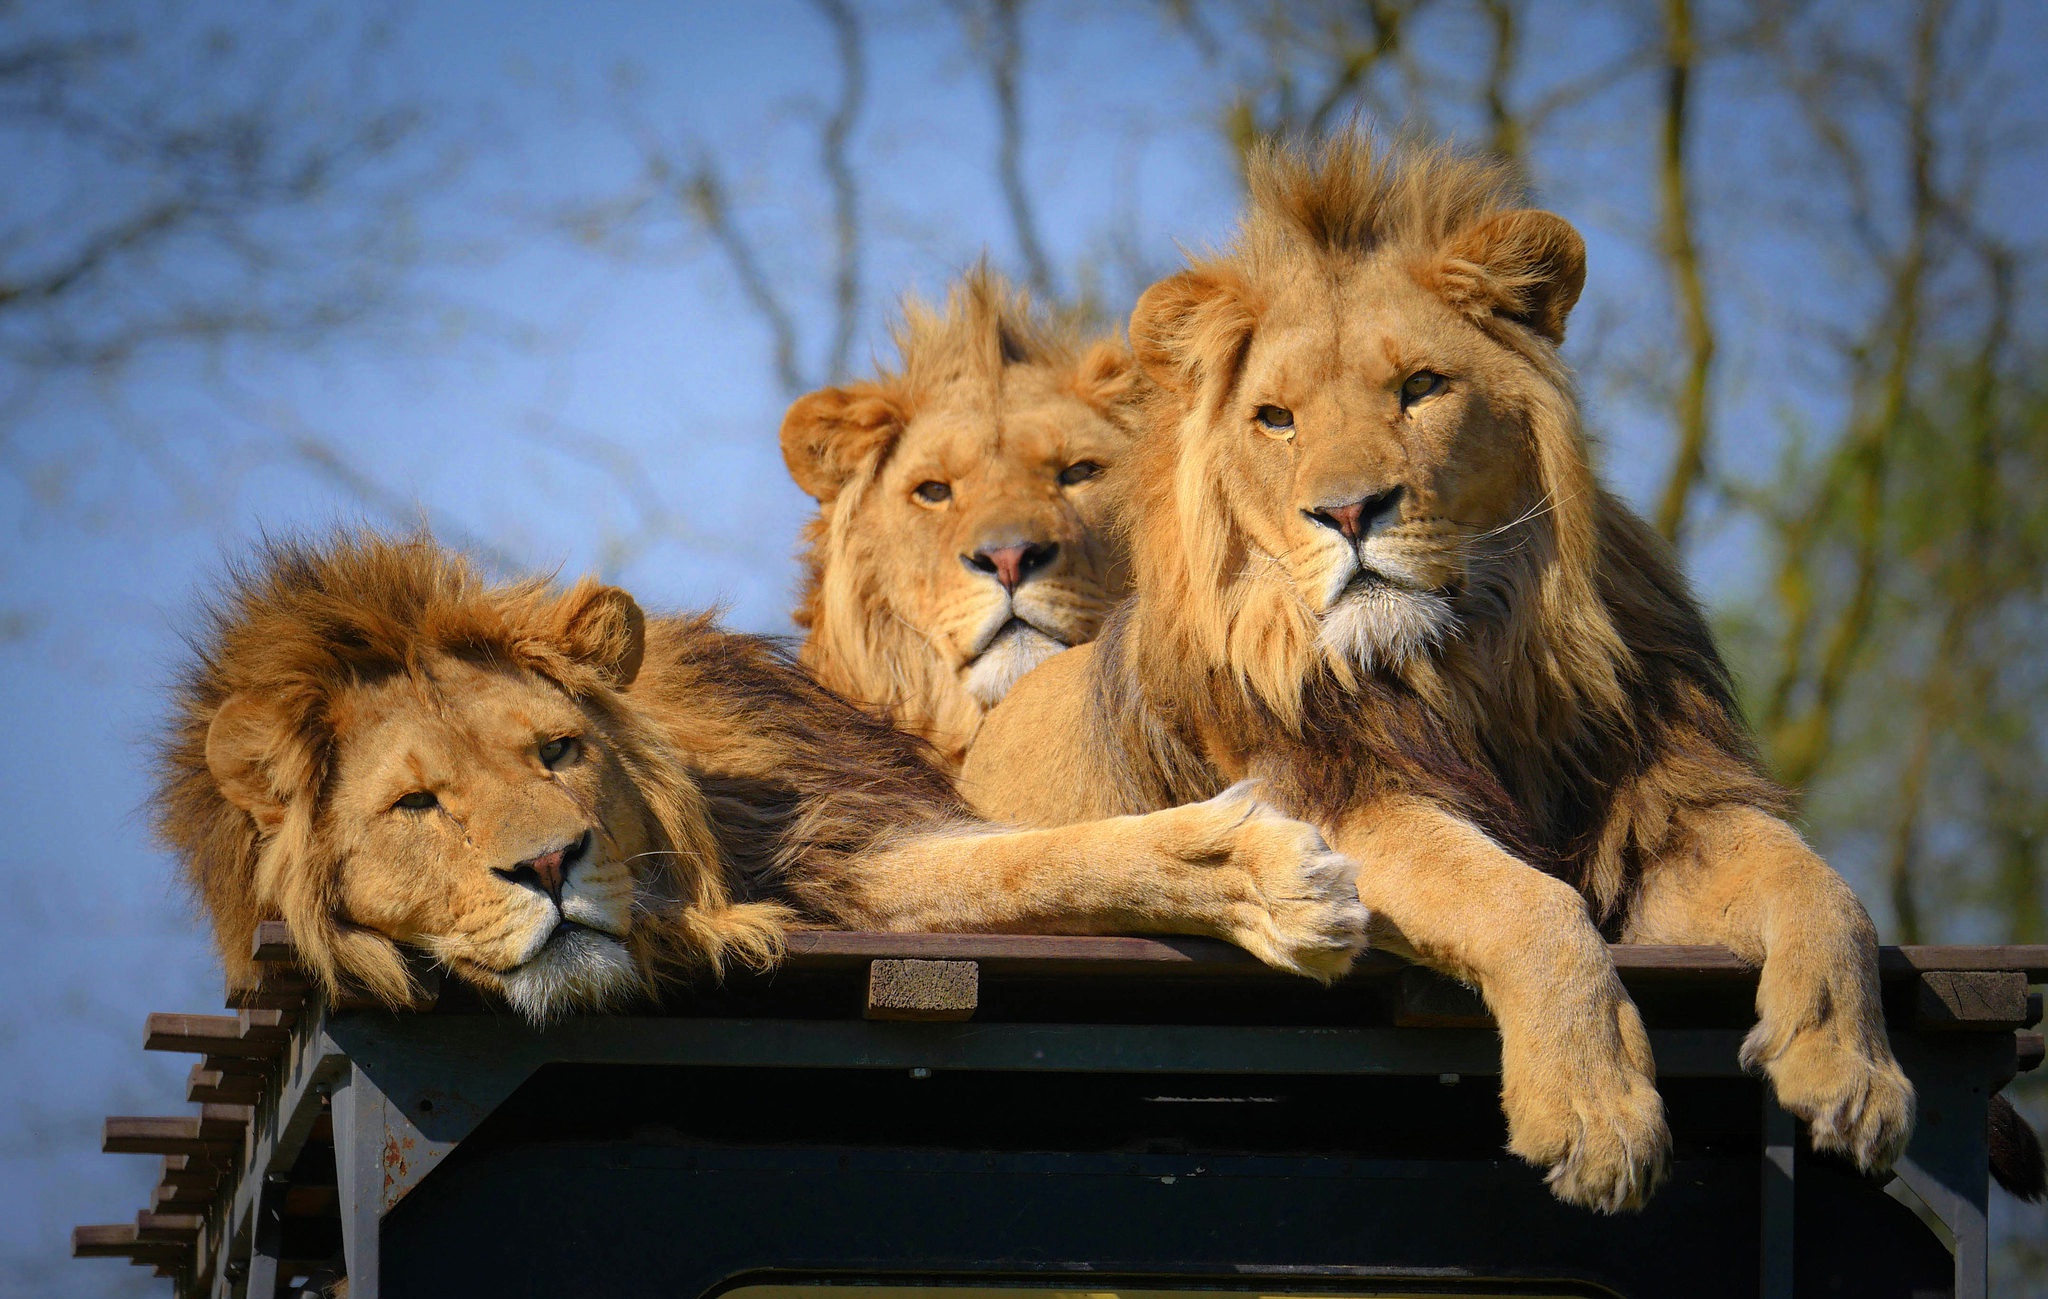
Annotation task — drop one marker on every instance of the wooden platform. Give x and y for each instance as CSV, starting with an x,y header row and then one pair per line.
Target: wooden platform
x,y
315,1123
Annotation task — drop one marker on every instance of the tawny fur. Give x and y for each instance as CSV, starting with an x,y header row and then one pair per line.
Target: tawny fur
x,y
1501,667
994,399
703,796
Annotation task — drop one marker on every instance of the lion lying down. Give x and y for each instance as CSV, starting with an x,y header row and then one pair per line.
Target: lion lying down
x,y
1374,570
566,803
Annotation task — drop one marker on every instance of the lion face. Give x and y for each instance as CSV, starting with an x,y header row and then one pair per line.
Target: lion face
x,y
478,813
387,754
961,538
1368,430
990,530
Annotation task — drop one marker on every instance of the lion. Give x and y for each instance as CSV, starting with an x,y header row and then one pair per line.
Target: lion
x,y
567,803
1373,569
959,541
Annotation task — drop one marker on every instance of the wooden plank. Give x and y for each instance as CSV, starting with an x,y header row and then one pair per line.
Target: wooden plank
x,y
195,1173
242,1066
175,1228
200,1134
280,988
1207,956
273,942
118,1240
2030,959
924,991
181,1199
224,1036
211,1086
1970,999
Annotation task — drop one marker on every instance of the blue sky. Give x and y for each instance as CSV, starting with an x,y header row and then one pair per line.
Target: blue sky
x,y
514,340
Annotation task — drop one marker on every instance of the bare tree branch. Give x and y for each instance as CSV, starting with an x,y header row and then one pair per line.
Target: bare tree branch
x,y
1681,250
994,33
834,154
1803,745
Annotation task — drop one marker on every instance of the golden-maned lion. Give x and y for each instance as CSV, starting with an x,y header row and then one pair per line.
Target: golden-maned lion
x,y
561,801
959,542
1374,570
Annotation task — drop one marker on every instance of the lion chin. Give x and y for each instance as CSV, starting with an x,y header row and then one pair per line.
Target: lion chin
x,y
1016,649
577,969
1382,627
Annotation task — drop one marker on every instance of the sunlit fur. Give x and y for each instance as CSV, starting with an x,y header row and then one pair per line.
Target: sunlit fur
x,y
994,399
363,651
1497,655
696,792
1542,629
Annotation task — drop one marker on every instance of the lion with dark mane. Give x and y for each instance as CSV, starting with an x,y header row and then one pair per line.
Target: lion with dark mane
x,y
1373,569
960,539
564,802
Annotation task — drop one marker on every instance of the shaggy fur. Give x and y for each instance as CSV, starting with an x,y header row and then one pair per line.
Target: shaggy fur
x,y
994,400
703,795
1374,570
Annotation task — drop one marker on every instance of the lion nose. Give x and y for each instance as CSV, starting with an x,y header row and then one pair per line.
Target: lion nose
x,y
1012,565
549,870
1359,518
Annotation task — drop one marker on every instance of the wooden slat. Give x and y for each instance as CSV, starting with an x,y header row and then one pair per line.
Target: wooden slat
x,y
211,1086
199,1134
2030,959
119,1240
923,991
227,1036
1970,999
273,942
175,1228
181,1199
1048,953
242,1066
280,988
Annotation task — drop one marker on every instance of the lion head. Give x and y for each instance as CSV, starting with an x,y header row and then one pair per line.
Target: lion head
x,y
959,540
1373,457
385,752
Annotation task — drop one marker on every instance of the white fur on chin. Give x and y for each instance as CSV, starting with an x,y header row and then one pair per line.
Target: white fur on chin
x,y
1381,627
1017,649
579,970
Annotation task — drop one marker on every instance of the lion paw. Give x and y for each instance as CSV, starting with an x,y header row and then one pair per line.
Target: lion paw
x,y
1303,914
1854,1098
1597,1124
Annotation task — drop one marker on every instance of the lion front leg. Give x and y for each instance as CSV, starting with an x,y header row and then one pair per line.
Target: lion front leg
x,y
1230,867
1578,1083
1745,879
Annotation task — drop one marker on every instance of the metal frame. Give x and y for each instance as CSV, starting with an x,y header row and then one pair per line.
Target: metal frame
x,y
378,1070
451,1173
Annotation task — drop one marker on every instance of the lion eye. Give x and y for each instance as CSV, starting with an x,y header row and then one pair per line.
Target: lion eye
x,y
557,750
1079,472
1277,418
417,801
1421,384
933,492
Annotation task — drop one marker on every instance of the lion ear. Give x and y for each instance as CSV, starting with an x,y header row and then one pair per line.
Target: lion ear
x,y
242,746
1190,327
603,627
1528,266
1107,375
828,434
